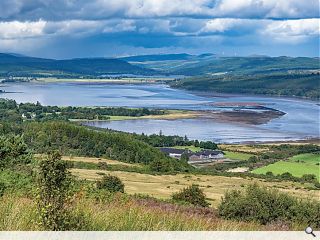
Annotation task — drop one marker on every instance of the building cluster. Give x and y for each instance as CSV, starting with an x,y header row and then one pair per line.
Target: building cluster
x,y
194,157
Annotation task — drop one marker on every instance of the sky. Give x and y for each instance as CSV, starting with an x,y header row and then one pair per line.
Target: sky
x,y
110,28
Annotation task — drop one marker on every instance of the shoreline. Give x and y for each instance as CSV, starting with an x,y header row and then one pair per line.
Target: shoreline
x,y
229,95
171,115
165,81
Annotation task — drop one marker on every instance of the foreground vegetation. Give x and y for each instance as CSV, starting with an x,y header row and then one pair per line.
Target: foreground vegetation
x,y
125,179
122,213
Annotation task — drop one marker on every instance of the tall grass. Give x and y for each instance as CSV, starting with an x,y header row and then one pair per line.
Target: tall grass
x,y
18,213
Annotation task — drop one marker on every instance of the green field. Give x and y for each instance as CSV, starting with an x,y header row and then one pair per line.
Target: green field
x,y
296,169
307,158
237,155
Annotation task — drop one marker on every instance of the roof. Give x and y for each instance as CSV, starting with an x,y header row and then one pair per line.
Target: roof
x,y
173,150
207,153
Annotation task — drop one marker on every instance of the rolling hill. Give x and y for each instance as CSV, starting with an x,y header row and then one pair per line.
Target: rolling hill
x,y
11,64
211,64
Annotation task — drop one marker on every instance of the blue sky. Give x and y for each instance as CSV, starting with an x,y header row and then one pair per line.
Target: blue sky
x,y
109,28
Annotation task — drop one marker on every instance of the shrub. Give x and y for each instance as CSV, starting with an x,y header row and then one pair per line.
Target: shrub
x,y
161,165
286,176
192,194
269,174
53,184
111,184
2,188
103,165
309,178
317,185
267,206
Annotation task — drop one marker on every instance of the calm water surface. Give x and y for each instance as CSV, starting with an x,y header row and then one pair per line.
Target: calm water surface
x,y
301,120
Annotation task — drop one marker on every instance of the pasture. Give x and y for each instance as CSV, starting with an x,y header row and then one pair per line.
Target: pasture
x,y
163,186
297,169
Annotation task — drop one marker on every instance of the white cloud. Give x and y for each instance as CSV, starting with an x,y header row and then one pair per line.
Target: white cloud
x,y
220,25
294,31
267,8
16,29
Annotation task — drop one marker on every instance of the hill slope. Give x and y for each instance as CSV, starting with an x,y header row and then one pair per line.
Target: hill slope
x,y
248,65
22,66
208,64
281,84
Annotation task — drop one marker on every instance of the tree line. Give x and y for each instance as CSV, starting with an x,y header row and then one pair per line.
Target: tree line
x,y
159,140
11,111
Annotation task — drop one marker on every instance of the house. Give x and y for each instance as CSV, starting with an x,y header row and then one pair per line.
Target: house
x,y
206,156
173,152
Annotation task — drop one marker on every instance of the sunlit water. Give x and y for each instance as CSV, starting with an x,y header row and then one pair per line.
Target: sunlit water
x,y
301,120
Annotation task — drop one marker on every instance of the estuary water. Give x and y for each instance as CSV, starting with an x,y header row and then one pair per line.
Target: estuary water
x,y
301,120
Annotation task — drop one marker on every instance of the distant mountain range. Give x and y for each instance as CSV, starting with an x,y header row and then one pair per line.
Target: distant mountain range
x,y
207,64
256,74
18,65
165,57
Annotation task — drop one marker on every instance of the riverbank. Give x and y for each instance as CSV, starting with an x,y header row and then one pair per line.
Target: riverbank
x,y
170,115
111,80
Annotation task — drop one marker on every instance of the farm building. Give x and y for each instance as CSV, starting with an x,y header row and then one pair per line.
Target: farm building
x,y
206,154
173,152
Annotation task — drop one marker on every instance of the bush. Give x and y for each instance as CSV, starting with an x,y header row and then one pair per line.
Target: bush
x,y
103,165
2,188
267,206
54,191
309,178
111,184
269,174
161,165
286,176
193,195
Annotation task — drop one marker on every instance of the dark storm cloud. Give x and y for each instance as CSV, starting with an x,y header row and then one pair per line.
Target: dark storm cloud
x,y
90,26
103,9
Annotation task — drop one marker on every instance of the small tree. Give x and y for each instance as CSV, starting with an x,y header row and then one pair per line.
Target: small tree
x,y
160,165
13,151
111,184
53,185
309,178
193,195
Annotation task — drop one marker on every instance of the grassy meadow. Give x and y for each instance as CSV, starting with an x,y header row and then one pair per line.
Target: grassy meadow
x,y
297,165
237,155
121,213
163,186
